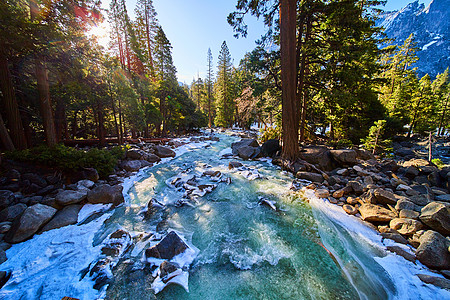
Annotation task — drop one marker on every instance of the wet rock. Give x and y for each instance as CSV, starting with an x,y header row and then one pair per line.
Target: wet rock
x,y
437,216
406,226
242,144
212,173
399,251
12,212
118,242
349,209
106,194
344,157
6,198
101,273
443,198
433,250
29,223
270,147
3,257
322,193
68,197
375,213
135,154
165,269
164,152
67,216
248,152
384,197
397,237
434,280
170,246
85,184
314,177
234,164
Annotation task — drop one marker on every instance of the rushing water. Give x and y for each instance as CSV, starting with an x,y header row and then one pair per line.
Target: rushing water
x,y
245,250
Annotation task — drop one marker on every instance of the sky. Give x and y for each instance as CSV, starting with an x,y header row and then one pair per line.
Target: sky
x,y
193,26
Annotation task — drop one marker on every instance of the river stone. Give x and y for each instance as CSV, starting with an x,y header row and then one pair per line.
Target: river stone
x,y
409,214
29,223
90,174
270,147
384,197
411,172
397,237
106,194
243,143
437,216
67,216
322,193
85,184
170,246
433,250
420,200
319,156
399,251
349,209
12,212
434,280
247,152
68,197
234,164
34,178
3,257
131,165
212,173
6,198
357,188
135,154
404,204
375,213
152,158
164,152
165,269
344,157
339,193
443,198
314,177
5,227
405,226
416,162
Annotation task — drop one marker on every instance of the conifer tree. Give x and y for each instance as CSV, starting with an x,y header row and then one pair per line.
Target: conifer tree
x,y
209,85
223,87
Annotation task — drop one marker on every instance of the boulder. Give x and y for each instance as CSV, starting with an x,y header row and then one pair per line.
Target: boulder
x,y
3,257
399,251
322,193
5,227
105,194
314,177
433,250
163,152
243,143
443,198
152,158
351,210
375,213
33,218
6,198
165,269
12,212
416,162
404,204
90,174
364,154
437,216
319,156
135,154
234,164
248,152
397,237
67,216
339,193
405,152
384,197
406,226
170,246
411,172
344,157
85,184
356,187
131,165
68,197
434,280
409,214
270,147
420,200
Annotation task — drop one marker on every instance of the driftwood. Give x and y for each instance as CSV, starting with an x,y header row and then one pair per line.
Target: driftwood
x,y
94,142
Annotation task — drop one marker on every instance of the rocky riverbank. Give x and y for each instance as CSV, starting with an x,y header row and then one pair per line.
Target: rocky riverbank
x,y
405,199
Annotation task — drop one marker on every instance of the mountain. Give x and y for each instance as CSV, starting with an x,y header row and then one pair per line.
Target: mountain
x,y
431,28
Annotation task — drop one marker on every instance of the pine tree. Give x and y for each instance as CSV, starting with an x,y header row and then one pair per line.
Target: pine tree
x,y
224,101
209,85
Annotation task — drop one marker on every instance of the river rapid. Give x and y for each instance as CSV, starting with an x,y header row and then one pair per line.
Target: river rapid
x,y
305,249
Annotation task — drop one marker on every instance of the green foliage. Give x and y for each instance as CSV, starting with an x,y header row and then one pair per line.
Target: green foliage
x,y
269,133
71,159
438,162
374,140
342,143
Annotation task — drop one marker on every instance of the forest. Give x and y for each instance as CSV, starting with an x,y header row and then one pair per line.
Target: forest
x,y
58,84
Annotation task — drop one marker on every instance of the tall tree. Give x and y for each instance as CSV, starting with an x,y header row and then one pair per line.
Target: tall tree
x,y
146,27
224,100
209,85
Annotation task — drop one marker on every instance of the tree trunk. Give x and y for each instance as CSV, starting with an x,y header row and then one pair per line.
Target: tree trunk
x,y
11,107
290,112
444,111
60,117
5,137
101,125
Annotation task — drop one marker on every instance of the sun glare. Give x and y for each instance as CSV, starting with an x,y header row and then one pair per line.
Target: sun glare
x,y
101,32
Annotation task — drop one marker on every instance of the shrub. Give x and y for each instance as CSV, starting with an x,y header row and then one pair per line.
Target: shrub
x,y
438,162
269,133
71,159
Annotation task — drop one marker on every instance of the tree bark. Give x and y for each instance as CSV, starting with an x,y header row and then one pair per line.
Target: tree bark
x,y
444,111
5,137
11,106
290,113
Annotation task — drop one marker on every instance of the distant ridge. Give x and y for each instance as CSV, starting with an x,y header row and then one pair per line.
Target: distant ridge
x,y
431,28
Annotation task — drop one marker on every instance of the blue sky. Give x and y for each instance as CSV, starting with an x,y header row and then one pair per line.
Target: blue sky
x,y
193,26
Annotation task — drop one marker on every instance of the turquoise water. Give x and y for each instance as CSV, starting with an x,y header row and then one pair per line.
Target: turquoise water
x,y
247,251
